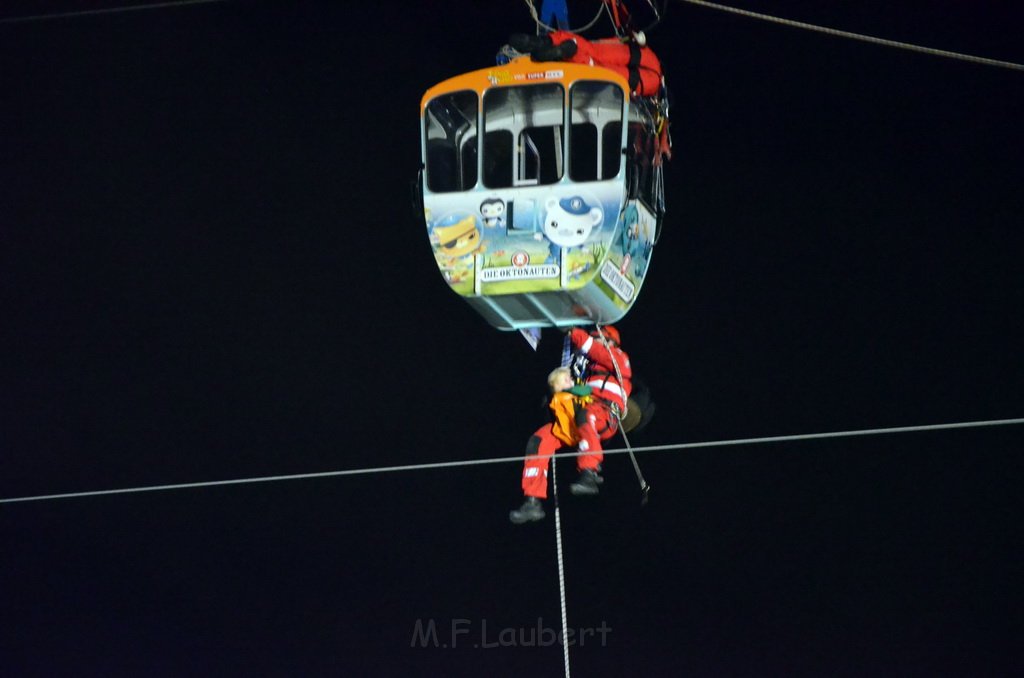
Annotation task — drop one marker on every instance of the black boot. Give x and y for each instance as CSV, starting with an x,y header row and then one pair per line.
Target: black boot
x,y
531,510
560,52
587,483
526,43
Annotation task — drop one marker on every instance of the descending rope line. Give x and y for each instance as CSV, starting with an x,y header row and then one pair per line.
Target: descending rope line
x,y
858,36
645,487
108,10
519,458
561,567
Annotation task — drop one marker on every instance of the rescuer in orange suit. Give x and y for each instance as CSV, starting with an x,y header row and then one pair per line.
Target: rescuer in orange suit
x,y
583,415
632,59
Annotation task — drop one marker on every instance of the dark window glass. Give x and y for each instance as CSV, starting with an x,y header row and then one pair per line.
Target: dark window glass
x,y
611,150
449,130
499,159
542,154
527,123
583,152
595,150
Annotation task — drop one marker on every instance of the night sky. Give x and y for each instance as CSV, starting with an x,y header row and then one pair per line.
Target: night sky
x,y
210,268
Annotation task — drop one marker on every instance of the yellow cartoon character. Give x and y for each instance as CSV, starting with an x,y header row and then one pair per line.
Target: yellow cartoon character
x,y
457,239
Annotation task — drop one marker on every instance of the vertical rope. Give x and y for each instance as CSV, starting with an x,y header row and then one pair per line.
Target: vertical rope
x,y
561,567
645,489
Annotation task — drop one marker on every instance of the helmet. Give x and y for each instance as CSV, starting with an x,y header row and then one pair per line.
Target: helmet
x,y
609,332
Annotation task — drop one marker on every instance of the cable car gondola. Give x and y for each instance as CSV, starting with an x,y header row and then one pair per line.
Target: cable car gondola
x,y
542,190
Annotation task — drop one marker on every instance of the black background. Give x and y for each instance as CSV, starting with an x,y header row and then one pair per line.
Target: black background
x,y
210,269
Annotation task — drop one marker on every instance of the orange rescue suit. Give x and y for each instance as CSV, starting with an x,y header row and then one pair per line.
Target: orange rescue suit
x,y
639,65
567,409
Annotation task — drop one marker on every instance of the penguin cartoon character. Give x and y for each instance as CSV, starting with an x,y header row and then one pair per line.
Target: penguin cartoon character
x,y
492,211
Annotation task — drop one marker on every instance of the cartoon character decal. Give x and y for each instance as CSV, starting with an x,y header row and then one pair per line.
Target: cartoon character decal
x,y
636,242
529,240
457,239
492,211
568,222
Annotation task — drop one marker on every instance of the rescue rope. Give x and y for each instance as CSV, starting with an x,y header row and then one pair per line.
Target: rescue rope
x,y
645,488
519,459
561,567
541,24
615,364
857,36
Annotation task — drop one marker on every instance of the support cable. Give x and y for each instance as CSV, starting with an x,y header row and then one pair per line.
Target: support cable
x,y
857,36
107,10
519,459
